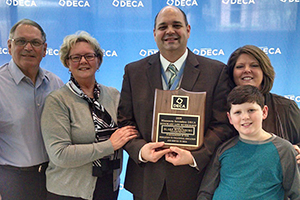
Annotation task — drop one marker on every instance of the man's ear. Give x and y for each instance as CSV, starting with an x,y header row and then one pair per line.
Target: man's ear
x,y
154,34
9,46
188,29
45,49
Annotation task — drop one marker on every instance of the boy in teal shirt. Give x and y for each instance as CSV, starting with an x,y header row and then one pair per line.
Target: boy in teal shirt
x,y
255,164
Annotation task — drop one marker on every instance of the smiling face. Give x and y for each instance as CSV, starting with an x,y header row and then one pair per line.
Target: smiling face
x,y
171,32
247,71
247,119
83,70
27,56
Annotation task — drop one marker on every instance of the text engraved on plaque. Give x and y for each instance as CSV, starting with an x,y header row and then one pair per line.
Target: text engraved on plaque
x,y
178,129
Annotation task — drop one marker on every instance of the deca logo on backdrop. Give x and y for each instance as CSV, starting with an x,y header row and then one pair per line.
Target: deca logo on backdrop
x,y
290,1
4,50
208,52
52,52
74,3
182,2
271,50
20,3
147,52
109,53
127,3
293,97
238,1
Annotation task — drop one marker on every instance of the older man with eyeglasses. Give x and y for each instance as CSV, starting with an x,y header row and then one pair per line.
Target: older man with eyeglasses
x,y
24,87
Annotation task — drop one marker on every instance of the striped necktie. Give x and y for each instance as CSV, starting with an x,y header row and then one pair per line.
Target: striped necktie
x,y
173,71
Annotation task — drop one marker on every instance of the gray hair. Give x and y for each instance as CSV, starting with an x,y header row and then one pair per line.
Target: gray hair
x,y
80,36
26,22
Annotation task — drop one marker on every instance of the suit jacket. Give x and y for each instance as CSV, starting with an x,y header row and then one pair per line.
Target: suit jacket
x,y
141,78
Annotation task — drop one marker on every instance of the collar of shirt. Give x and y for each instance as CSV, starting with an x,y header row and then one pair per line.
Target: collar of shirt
x,y
165,63
18,75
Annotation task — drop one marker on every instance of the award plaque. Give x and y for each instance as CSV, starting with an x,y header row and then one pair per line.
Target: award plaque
x,y
178,118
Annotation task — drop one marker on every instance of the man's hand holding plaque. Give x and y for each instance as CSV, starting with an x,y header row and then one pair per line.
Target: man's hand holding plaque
x,y
153,151
178,156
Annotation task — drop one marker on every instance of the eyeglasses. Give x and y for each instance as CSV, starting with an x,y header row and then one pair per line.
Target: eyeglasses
x,y
88,57
22,42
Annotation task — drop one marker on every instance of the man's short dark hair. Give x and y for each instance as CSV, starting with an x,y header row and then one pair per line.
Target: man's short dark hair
x,y
184,16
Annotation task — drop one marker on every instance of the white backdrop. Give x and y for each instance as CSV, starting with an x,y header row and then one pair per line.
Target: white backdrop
x,y
124,29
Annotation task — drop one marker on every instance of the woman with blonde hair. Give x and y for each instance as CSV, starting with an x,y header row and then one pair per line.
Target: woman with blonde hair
x,y
79,128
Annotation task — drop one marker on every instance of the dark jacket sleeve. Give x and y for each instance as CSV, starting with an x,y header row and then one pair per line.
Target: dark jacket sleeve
x,y
218,128
126,117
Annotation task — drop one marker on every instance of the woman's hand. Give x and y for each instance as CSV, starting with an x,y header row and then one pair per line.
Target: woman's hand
x,y
122,135
298,156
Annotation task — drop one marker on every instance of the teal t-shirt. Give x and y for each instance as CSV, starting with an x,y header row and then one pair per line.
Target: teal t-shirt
x,y
250,171
243,169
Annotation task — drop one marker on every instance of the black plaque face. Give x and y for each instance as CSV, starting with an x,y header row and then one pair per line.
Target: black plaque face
x,y
178,129
178,118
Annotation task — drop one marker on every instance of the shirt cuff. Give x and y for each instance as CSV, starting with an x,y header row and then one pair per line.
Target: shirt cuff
x,y
194,165
140,157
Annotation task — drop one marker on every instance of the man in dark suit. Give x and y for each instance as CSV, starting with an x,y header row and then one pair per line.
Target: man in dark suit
x,y
174,173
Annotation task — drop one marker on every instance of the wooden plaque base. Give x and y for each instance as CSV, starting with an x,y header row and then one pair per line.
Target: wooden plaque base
x,y
178,118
